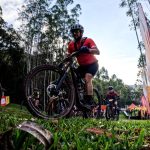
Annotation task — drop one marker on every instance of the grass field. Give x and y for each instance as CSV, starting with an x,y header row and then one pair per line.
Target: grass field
x,y
78,133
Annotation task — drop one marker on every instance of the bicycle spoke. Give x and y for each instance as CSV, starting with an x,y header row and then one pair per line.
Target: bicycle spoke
x,y
46,102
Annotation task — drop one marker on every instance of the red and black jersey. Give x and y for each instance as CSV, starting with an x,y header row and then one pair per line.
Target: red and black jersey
x,y
84,58
112,95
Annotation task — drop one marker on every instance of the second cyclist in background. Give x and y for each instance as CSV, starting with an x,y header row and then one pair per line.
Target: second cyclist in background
x,y
112,94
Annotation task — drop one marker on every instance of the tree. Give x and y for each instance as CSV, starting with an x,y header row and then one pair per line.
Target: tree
x,y
60,21
103,74
133,12
142,61
127,93
11,59
46,28
33,23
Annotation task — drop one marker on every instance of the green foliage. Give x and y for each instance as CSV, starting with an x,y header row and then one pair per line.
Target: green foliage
x,y
43,34
128,94
12,63
46,29
74,133
132,10
142,61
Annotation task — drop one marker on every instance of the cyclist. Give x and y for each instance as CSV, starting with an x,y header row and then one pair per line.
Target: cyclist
x,y
88,64
112,94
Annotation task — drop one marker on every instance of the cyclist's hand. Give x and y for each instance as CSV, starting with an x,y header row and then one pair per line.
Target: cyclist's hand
x,y
84,49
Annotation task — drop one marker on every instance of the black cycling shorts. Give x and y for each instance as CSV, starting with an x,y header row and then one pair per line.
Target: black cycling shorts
x,y
91,68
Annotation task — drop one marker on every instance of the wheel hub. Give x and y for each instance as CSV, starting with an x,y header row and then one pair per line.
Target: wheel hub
x,y
51,90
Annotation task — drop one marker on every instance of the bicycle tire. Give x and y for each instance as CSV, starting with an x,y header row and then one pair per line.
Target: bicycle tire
x,y
42,78
117,114
108,113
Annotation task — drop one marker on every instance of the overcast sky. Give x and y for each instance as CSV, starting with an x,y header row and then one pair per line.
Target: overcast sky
x,y
107,24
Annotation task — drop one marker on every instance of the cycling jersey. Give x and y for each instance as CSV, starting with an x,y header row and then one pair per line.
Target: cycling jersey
x,y
84,58
111,95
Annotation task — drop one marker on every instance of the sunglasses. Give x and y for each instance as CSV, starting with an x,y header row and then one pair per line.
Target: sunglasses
x,y
75,31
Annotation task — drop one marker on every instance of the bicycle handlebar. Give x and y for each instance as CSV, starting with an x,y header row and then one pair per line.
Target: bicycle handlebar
x,y
69,58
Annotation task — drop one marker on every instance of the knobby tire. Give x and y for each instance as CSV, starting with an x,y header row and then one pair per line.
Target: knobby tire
x,y
40,78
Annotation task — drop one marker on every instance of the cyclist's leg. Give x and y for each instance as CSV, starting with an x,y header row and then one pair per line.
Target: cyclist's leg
x,y
90,71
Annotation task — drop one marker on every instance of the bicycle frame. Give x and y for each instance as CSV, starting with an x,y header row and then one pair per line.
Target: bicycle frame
x,y
62,78
111,104
112,107
69,67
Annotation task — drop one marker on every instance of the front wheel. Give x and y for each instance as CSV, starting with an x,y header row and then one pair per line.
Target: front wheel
x,y
116,114
108,113
40,84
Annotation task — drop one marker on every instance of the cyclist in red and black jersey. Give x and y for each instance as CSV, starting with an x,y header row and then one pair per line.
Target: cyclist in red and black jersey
x,y
112,94
88,64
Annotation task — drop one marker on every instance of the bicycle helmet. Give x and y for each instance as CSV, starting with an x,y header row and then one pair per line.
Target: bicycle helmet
x,y
110,88
75,27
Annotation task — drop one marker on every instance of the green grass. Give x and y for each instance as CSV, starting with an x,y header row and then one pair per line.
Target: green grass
x,y
82,134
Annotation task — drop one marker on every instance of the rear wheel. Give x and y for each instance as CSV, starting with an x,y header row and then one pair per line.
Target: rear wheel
x,y
40,84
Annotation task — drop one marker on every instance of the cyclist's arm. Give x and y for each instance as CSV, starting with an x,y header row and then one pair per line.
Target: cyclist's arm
x,y
70,48
116,93
107,96
92,47
94,50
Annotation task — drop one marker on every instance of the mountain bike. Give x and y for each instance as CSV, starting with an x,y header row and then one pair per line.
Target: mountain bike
x,y
112,111
61,90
